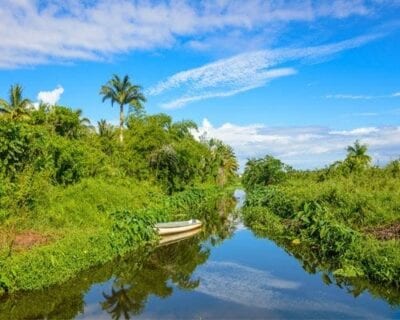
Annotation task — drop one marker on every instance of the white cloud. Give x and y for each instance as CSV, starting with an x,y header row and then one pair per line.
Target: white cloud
x,y
356,132
396,94
50,97
303,147
37,32
243,72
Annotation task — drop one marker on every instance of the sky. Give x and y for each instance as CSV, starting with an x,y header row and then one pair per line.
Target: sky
x,y
299,80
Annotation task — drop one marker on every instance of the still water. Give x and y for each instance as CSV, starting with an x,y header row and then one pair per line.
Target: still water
x,y
225,272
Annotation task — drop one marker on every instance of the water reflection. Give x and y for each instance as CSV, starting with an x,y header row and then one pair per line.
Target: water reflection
x,y
312,263
168,265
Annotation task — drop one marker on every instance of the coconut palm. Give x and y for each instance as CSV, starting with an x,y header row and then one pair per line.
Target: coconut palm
x,y
17,107
123,92
357,153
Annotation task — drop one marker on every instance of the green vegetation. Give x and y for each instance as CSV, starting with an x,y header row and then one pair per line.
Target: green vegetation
x,y
137,275
348,214
72,196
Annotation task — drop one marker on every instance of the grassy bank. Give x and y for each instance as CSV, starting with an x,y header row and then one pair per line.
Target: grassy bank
x,y
88,224
349,217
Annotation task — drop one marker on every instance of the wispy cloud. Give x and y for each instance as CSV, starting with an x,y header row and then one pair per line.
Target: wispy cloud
x,y
303,147
243,72
180,102
361,96
348,96
216,81
37,32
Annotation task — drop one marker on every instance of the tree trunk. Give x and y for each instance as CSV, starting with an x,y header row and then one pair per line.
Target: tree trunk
x,y
121,123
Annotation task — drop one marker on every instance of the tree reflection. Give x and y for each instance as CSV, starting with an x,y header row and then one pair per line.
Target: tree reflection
x,y
165,267
118,303
313,263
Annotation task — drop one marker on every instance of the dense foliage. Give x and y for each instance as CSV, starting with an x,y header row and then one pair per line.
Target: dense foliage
x,y
55,145
65,183
349,212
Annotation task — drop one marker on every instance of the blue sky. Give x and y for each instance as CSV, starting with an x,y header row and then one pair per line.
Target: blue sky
x,y
296,79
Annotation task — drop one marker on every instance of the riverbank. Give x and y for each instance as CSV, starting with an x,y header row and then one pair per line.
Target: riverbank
x,y
88,224
341,219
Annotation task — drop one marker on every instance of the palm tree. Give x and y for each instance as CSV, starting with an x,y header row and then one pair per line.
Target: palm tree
x,y
83,121
105,129
223,160
358,152
17,107
123,92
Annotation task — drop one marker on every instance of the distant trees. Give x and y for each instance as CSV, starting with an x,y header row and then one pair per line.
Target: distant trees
x,y
356,161
17,107
123,92
263,172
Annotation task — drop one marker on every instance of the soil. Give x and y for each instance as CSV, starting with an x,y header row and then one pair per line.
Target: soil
x,y
28,239
387,232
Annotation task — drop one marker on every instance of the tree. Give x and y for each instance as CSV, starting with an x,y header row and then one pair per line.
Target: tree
x,y
123,92
165,163
264,171
222,162
17,107
357,157
183,128
67,122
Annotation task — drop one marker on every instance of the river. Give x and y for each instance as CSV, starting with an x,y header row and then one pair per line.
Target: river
x,y
226,272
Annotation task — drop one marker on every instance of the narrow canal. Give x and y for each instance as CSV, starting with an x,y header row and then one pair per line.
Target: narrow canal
x,y
223,273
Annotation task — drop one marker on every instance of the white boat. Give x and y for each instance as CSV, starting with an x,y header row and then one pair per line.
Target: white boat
x,y
177,226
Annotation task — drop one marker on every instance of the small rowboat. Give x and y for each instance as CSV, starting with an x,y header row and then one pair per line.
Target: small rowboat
x,y
177,226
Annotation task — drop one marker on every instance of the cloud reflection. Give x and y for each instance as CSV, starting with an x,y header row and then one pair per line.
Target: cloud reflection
x,y
233,282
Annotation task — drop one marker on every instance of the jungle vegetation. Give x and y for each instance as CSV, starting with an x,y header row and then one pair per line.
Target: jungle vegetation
x,y
347,214
67,185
